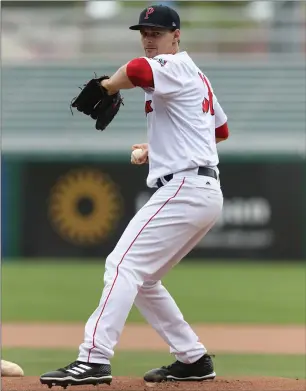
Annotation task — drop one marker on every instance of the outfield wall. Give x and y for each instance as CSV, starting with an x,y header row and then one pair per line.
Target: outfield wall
x,y
78,206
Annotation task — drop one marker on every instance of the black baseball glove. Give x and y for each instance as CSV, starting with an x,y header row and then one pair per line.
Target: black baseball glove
x,y
94,101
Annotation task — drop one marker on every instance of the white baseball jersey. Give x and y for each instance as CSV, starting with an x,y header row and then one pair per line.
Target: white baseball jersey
x,y
182,114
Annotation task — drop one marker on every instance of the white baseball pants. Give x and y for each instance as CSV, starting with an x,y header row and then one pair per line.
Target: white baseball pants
x,y
162,232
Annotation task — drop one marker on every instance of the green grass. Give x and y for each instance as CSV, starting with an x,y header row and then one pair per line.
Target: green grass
x,y
35,362
247,292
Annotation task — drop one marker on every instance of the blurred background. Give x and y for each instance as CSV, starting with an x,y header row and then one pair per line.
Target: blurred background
x,y
254,54
68,191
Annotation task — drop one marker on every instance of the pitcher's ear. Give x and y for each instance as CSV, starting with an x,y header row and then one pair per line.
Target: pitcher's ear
x,y
176,36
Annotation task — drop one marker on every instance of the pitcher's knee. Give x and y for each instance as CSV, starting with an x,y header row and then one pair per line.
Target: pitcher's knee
x,y
115,268
150,285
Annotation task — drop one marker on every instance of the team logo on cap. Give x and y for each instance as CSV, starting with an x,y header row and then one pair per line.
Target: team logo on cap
x,y
150,11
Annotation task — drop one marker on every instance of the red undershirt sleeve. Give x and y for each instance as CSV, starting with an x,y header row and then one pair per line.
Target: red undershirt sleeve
x,y
140,73
222,131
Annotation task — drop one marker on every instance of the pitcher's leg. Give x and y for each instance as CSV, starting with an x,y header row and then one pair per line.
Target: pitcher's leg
x,y
162,313
160,310
149,241
148,247
103,328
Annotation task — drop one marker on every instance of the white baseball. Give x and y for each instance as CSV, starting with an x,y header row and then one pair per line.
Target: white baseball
x,y
136,154
10,369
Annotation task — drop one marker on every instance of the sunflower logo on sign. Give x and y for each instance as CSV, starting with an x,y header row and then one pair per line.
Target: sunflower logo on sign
x,y
85,206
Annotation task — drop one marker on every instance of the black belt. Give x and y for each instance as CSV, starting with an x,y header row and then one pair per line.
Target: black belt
x,y
204,171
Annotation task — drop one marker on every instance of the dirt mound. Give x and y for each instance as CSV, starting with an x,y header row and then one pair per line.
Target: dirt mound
x,y
217,338
136,384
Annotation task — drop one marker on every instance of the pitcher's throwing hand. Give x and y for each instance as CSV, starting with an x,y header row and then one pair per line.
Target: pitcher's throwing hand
x,y
139,154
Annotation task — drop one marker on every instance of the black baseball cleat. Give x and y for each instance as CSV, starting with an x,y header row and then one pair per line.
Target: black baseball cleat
x,y
78,373
203,369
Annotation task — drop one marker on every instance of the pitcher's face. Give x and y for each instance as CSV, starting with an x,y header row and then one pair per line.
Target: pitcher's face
x,y
157,41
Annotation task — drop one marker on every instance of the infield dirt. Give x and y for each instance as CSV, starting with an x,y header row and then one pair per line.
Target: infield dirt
x,y
218,338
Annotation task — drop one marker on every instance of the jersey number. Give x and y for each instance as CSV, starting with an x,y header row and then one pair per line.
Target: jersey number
x,y
148,107
207,105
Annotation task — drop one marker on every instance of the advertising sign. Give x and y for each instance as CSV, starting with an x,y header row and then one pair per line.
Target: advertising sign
x,y
80,210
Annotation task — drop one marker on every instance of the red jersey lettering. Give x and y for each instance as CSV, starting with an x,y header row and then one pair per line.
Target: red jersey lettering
x,y
207,105
148,107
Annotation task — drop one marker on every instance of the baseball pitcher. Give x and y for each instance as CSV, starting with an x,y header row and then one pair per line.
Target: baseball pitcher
x,y
184,124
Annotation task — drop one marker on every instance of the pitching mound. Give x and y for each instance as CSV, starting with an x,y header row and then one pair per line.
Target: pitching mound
x,y
134,384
